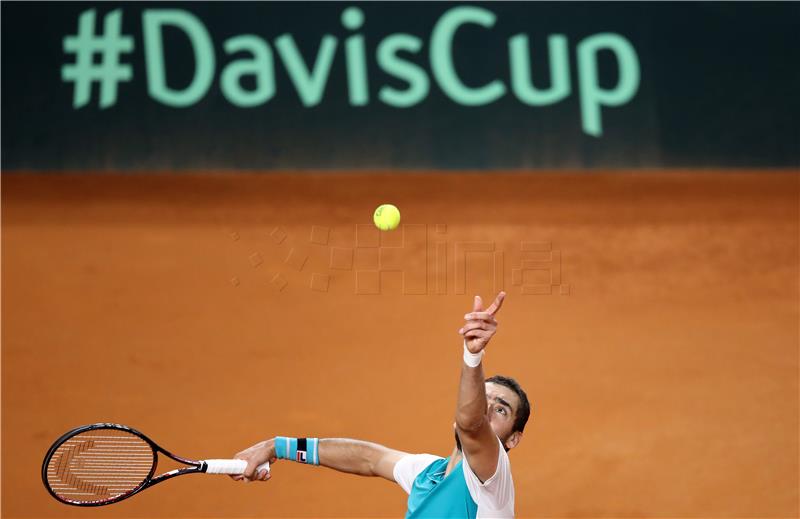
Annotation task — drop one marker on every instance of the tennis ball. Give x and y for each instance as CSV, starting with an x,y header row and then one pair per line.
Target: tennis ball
x,y
386,217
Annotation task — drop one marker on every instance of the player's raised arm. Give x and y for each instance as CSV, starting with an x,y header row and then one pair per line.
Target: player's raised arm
x,y
478,441
345,455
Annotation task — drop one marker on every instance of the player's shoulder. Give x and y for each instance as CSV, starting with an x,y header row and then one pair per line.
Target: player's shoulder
x,y
503,461
501,477
495,496
409,466
414,464
422,459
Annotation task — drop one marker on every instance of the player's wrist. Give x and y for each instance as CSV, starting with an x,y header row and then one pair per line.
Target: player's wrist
x,y
270,446
301,450
473,360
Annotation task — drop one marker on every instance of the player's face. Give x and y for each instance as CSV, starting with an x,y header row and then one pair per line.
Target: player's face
x,y
501,409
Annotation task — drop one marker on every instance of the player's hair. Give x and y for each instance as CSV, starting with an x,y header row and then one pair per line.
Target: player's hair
x,y
524,411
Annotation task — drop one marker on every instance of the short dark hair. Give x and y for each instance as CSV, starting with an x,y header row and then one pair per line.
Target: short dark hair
x,y
524,411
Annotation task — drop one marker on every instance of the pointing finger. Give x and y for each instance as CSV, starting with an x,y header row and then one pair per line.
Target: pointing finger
x,y
498,302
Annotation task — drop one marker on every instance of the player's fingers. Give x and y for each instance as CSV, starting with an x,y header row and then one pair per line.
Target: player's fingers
x,y
477,304
498,302
472,325
475,325
479,316
480,334
488,323
240,456
250,471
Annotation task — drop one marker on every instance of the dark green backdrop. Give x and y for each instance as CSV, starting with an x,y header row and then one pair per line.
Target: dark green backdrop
x,y
719,87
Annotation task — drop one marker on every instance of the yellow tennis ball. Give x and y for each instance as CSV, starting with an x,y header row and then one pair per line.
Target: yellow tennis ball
x,y
386,217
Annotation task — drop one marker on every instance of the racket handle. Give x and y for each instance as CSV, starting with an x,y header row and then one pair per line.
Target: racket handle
x,y
231,466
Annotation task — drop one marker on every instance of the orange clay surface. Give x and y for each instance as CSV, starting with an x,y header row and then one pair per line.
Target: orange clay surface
x,y
660,345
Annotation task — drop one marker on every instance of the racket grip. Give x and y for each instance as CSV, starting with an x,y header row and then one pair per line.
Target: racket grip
x,y
231,466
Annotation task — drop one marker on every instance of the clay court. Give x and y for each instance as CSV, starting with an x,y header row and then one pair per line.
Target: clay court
x,y
662,365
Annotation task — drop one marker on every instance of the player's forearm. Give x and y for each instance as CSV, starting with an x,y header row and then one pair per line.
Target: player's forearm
x,y
477,331
351,456
345,455
471,409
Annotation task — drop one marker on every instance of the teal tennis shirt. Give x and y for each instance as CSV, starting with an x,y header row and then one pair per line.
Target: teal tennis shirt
x,y
461,494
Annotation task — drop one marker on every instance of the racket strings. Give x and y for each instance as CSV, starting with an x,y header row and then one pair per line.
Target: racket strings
x,y
99,465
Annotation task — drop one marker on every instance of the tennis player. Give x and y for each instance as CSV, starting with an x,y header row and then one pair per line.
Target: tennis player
x,y
474,481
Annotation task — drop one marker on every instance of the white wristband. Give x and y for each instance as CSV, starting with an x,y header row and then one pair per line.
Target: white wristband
x,y
472,360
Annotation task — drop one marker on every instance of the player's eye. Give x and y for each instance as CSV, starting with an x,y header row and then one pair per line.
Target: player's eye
x,y
501,410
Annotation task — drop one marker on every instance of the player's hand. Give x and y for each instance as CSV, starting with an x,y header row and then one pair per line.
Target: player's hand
x,y
480,324
255,456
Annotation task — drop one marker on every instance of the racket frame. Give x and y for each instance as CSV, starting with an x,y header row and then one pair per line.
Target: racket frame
x,y
195,467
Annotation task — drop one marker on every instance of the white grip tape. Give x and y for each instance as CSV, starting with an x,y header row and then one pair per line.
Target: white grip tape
x,y
231,467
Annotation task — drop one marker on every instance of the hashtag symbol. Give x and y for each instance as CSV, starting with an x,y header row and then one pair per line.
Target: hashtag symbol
x,y
109,72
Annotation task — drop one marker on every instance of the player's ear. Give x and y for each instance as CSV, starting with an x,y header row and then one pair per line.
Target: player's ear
x,y
513,440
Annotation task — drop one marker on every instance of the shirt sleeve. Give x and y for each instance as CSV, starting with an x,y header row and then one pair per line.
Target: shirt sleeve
x,y
497,492
408,468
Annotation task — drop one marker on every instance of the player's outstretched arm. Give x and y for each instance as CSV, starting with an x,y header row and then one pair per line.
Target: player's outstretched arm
x,y
478,441
342,454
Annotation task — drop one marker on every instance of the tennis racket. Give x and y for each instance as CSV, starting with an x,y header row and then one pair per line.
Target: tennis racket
x,y
104,463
